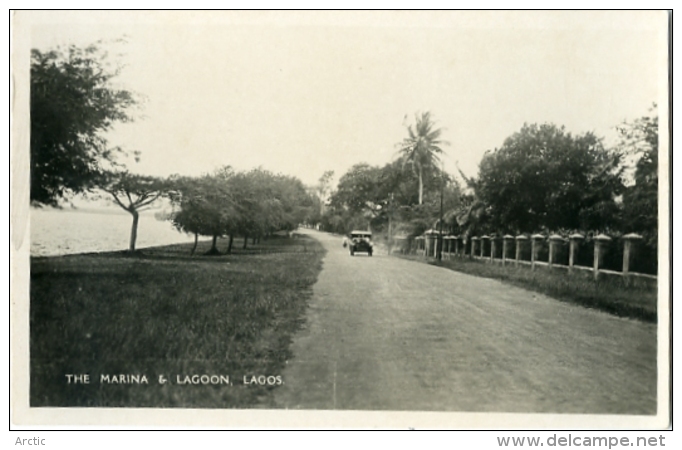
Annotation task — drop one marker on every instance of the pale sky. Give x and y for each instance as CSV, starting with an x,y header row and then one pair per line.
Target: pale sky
x,y
300,93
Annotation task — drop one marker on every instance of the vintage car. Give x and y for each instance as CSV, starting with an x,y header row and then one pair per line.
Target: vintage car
x,y
360,241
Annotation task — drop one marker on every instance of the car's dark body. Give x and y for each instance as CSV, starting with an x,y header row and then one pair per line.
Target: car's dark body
x,y
360,242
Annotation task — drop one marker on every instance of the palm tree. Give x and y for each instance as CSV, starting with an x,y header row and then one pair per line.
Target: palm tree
x,y
422,148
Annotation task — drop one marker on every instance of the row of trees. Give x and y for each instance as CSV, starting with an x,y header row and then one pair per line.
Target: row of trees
x,y
252,204
228,203
542,179
372,196
74,104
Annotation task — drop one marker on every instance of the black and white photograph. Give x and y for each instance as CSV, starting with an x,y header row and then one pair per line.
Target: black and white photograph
x,y
347,219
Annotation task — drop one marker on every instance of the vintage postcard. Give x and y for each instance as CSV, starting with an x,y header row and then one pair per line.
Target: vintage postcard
x,y
340,219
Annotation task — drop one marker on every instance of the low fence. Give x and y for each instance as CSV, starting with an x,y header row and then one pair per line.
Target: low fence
x,y
554,251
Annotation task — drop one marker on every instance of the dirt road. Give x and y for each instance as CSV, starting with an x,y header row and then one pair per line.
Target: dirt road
x,y
389,334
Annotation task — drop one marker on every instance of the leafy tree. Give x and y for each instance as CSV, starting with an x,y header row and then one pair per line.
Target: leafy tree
x,y
360,190
334,221
639,140
269,202
295,200
205,206
324,187
73,105
545,178
133,193
255,202
471,214
422,147
314,213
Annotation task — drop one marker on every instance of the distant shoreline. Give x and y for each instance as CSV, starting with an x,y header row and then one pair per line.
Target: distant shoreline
x,y
91,210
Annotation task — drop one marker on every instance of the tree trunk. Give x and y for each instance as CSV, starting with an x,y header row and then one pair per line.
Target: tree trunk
x,y
214,247
253,240
196,241
133,231
229,244
246,241
421,187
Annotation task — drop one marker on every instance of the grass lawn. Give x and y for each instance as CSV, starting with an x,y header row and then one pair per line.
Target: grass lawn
x,y
638,301
164,313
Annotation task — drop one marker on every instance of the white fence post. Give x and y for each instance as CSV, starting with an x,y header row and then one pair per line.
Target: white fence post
x,y
519,240
483,245
574,242
628,251
505,247
600,242
554,241
534,249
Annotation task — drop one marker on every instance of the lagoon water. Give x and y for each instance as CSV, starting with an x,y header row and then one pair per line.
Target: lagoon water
x,y
68,231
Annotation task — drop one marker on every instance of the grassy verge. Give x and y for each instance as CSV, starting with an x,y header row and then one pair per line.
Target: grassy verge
x,y
164,313
638,301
